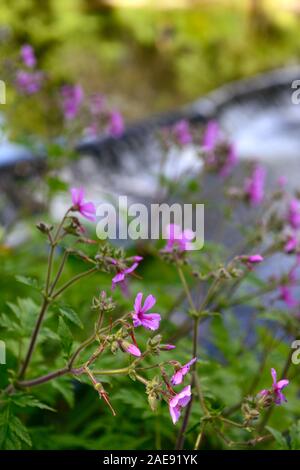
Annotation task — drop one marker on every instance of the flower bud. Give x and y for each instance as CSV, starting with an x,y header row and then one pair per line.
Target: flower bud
x,y
265,400
167,347
155,341
103,303
153,400
44,228
114,347
130,348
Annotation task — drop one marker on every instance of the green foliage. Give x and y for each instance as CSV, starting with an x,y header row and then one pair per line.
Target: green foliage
x,y
66,337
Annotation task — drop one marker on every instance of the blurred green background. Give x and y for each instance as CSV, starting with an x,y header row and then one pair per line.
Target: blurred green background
x,y
151,57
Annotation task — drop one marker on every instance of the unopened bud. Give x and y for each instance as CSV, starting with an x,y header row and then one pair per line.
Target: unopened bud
x,y
155,341
114,347
153,401
130,348
44,228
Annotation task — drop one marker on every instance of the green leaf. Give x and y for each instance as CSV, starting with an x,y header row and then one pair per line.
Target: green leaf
x,y
28,281
295,436
65,335
279,438
71,315
26,311
22,400
19,430
12,431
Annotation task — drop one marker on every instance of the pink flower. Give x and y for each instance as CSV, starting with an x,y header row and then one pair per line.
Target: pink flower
x,y
294,214
251,260
132,349
116,124
177,378
182,132
29,82
181,240
287,296
72,99
179,401
86,209
291,244
255,185
120,277
140,317
276,388
27,55
211,136
230,162
137,258
167,347
254,259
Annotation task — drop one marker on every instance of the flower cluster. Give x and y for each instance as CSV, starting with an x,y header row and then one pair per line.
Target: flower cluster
x,y
219,154
275,393
28,80
101,119
255,186
139,317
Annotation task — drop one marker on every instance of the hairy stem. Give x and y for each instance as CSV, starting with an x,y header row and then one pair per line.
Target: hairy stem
x,y
44,378
33,339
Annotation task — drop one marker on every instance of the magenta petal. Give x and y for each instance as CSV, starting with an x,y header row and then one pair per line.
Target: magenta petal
x,y
191,362
280,398
88,210
118,278
184,400
177,378
291,244
167,347
182,397
287,296
170,230
185,369
28,56
211,135
294,213
138,302
282,384
150,321
274,376
131,269
77,196
175,413
188,235
136,321
149,302
255,259
133,350
138,258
